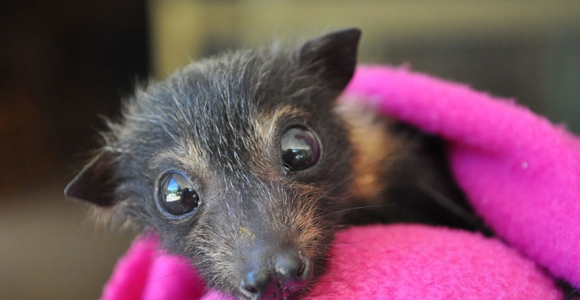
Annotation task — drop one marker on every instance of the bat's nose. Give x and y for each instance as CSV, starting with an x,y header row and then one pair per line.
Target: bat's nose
x,y
289,272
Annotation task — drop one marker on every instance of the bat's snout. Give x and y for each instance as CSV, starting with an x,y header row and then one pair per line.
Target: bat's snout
x,y
285,275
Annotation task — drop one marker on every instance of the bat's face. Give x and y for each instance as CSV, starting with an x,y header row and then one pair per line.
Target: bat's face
x,y
238,163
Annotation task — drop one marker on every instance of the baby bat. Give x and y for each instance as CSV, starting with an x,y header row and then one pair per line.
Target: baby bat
x,y
246,163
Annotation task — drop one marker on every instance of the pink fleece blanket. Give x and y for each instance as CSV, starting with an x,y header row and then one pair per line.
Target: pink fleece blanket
x,y
520,173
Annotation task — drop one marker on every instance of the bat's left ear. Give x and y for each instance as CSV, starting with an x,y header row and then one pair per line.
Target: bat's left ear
x,y
332,57
95,183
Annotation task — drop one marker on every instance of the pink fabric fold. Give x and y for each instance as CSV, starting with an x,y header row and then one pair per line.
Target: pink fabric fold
x,y
149,273
412,262
520,172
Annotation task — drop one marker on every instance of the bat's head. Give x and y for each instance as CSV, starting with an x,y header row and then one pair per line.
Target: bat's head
x,y
238,162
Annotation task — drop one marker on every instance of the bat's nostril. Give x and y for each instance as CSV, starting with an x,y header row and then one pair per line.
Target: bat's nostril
x,y
256,284
292,269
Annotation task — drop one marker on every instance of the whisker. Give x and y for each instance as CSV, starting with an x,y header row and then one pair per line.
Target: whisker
x,y
170,274
148,249
332,188
355,242
358,207
449,205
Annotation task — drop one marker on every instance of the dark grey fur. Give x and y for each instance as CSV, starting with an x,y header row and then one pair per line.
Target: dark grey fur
x,y
219,122
207,115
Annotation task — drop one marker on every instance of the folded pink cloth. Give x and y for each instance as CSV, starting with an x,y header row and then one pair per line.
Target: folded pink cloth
x,y
520,173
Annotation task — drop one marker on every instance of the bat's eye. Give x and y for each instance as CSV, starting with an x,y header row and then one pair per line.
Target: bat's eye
x,y
177,195
300,148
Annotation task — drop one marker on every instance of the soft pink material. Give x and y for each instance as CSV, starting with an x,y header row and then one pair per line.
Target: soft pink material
x,y
146,272
521,173
418,262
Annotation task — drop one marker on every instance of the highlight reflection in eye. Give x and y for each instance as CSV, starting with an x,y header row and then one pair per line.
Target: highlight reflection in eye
x,y
300,148
178,197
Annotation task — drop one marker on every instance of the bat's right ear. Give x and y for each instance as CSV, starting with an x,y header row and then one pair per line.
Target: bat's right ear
x,y
332,56
95,182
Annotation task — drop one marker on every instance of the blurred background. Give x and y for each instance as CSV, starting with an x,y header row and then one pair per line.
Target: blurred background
x,y
63,63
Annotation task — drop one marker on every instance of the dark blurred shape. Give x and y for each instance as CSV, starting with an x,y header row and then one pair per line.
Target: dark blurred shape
x,y
62,63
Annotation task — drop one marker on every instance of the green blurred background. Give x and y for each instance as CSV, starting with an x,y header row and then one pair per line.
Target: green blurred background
x,y
63,63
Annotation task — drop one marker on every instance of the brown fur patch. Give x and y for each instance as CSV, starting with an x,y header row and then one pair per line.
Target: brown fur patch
x,y
306,222
265,127
186,154
374,147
